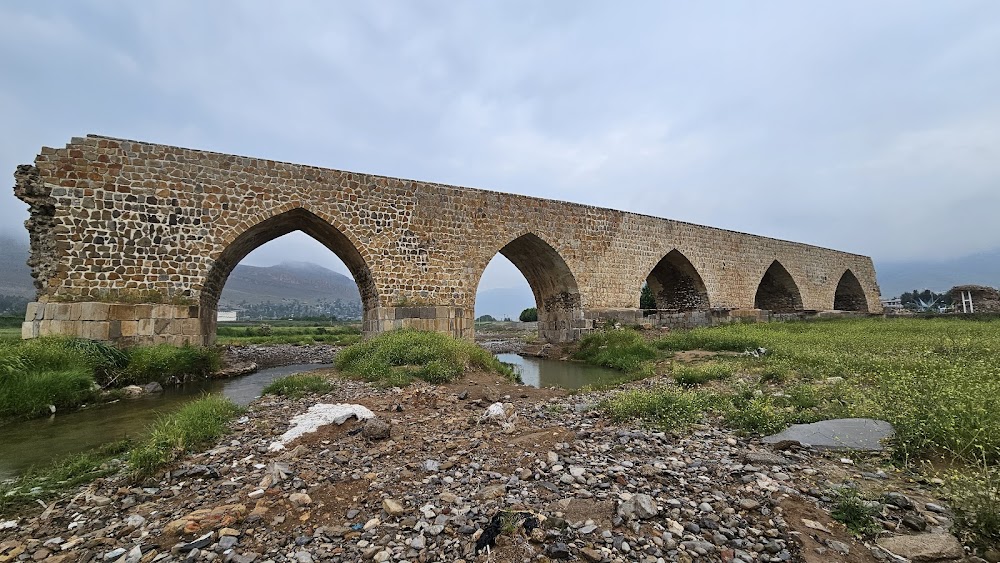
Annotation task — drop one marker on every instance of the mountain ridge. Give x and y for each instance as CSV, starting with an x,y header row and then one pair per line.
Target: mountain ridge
x,y
302,281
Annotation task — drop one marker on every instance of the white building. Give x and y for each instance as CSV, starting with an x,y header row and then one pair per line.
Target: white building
x,y
890,305
225,316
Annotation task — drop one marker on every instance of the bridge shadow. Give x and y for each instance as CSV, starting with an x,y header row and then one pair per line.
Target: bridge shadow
x,y
777,291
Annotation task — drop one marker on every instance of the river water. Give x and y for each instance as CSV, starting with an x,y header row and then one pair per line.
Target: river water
x,y
540,372
37,442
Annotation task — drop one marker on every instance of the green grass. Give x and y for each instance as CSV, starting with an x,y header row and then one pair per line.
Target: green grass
x,y
856,512
41,372
10,334
706,339
937,380
67,372
299,385
624,350
975,497
692,375
666,407
196,424
397,357
48,482
341,335
163,363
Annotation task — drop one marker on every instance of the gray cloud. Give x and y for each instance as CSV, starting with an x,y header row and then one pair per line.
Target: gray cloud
x,y
873,128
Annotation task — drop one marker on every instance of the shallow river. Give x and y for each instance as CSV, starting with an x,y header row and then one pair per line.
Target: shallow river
x,y
539,372
39,441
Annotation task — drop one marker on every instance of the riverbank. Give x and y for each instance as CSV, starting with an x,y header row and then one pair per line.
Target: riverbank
x,y
556,477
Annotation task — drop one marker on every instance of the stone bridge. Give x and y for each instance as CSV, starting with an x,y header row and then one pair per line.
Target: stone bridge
x,y
132,242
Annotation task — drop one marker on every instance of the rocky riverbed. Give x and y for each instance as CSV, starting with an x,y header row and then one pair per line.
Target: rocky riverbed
x,y
433,478
273,355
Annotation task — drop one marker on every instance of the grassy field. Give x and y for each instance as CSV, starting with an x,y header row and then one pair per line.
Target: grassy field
x,y
10,328
288,332
936,380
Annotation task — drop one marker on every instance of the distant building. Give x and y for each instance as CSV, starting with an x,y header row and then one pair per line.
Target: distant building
x,y
225,316
892,305
975,299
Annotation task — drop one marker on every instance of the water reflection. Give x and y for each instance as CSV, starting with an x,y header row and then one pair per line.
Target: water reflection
x,y
540,372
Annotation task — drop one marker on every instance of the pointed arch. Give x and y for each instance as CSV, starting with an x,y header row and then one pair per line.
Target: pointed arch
x,y
296,219
557,295
676,284
850,296
777,291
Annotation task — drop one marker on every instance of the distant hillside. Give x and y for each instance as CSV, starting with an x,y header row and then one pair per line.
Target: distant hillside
x,y
895,278
303,281
504,302
15,276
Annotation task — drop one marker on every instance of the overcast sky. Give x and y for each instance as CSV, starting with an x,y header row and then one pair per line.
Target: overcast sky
x,y
871,127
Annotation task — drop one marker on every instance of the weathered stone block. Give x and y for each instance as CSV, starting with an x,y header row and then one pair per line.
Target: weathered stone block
x,y
129,329
96,330
122,312
58,311
91,311
35,311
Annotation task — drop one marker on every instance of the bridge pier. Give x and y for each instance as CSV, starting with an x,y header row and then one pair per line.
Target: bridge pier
x,y
125,324
456,321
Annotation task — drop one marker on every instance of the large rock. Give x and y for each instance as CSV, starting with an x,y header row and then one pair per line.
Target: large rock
x,y
924,547
840,433
376,429
639,506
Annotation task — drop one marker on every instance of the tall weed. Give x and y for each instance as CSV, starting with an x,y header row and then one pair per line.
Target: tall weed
x,y
399,356
623,349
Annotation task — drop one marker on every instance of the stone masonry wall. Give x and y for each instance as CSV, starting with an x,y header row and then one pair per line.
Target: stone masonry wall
x,y
134,224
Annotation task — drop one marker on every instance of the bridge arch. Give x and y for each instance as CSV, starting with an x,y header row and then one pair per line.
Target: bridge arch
x,y
553,284
676,284
295,219
777,291
850,296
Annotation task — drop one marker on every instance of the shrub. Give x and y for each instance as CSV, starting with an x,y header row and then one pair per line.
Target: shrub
x,y
753,411
624,350
299,385
398,356
196,424
164,362
666,407
975,498
529,315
